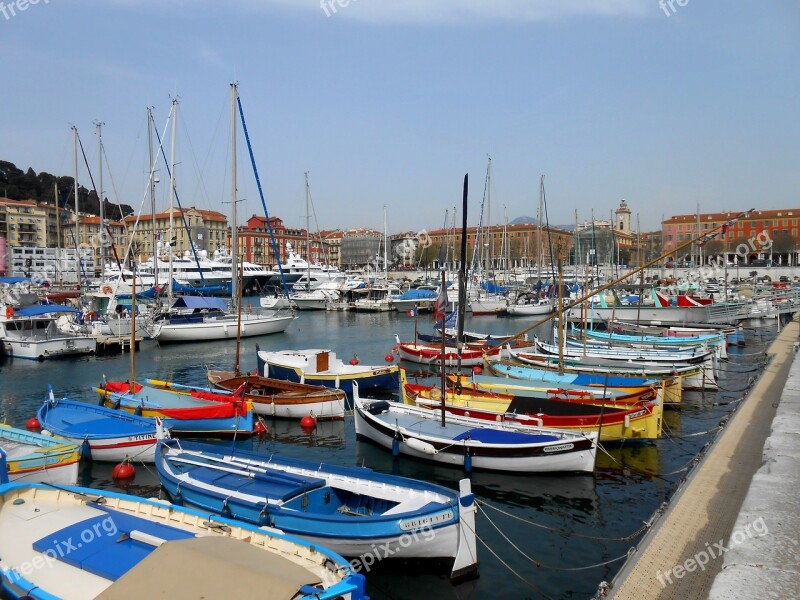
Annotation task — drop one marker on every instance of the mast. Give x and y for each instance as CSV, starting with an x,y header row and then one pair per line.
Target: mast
x,y
385,247
99,129
75,192
133,334
150,125
308,234
172,196
234,226
490,245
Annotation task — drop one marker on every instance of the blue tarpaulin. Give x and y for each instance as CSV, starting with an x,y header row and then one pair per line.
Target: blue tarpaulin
x,y
42,309
200,302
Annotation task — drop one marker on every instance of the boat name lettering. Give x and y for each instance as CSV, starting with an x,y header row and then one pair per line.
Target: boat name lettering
x,y
427,521
559,448
144,436
638,413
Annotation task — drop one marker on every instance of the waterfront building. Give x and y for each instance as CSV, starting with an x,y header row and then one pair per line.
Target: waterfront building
x,y
764,237
207,230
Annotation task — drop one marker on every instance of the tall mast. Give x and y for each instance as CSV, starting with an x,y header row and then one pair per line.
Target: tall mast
x,y
385,247
99,129
153,237
308,234
172,196
490,245
234,225
75,192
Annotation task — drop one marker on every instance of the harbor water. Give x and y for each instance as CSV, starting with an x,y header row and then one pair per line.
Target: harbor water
x,y
540,536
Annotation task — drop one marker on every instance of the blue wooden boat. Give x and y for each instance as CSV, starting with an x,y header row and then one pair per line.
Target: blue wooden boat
x,y
322,367
197,414
81,543
351,510
37,458
103,433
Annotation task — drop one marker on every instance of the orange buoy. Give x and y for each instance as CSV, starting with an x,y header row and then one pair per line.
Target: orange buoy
x,y
477,370
308,422
259,427
123,470
354,360
9,312
389,358
33,424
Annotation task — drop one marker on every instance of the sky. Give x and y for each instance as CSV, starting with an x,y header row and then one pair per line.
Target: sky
x,y
388,103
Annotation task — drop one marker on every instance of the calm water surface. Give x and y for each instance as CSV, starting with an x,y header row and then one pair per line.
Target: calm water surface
x,y
564,527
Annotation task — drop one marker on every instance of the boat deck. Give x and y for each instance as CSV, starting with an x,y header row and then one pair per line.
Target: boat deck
x,y
455,431
704,511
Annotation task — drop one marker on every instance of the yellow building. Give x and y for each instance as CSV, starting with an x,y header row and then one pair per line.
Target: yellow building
x,y
208,230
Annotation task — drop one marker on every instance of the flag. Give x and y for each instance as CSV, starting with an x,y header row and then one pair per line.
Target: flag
x,y
441,306
412,312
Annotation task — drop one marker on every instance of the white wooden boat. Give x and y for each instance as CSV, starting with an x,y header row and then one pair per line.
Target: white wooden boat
x,y
36,458
77,543
351,510
472,443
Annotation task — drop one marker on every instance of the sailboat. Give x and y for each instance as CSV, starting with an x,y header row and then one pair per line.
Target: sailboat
x,y
194,319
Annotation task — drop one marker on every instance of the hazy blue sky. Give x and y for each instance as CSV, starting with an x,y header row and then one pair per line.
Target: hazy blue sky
x,y
392,101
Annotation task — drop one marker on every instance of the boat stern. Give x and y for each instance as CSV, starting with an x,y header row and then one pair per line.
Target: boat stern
x,y
465,565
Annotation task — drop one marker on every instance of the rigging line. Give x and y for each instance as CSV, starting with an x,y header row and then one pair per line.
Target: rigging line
x,y
200,188
182,213
273,243
511,569
626,538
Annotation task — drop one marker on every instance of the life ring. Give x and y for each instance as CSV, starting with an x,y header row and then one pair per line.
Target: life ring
x,y
92,316
106,289
9,312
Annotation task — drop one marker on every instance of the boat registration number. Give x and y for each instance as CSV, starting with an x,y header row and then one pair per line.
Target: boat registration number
x,y
559,448
426,521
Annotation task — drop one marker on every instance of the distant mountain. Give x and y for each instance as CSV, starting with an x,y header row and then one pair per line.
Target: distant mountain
x,y
531,221
523,221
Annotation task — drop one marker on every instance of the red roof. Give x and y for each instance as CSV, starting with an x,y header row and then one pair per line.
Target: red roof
x,y
724,216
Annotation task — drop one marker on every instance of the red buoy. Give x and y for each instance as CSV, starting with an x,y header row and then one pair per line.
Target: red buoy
x,y
308,422
354,360
259,428
477,370
123,470
388,358
33,424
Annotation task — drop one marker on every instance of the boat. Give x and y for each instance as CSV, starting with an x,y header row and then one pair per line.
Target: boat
x,y
270,397
200,319
37,458
378,298
418,298
527,306
198,413
79,543
31,332
692,376
671,384
471,443
323,367
561,409
103,433
431,353
195,318
351,510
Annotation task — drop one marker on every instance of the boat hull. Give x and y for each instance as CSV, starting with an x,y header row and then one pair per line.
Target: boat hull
x,y
224,329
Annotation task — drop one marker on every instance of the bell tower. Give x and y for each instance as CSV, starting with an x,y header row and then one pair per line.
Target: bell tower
x,y
623,217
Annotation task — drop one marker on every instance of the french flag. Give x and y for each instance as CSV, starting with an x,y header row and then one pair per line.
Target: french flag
x,y
412,312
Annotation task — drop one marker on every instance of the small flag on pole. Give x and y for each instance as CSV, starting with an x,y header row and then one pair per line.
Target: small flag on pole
x,y
412,312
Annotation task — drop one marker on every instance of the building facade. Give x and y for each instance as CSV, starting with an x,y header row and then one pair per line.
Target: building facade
x,y
207,230
763,235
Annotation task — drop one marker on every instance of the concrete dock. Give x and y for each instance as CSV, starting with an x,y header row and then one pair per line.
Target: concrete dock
x,y
732,530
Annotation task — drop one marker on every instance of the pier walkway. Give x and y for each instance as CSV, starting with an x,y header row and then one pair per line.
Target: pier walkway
x,y
731,531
